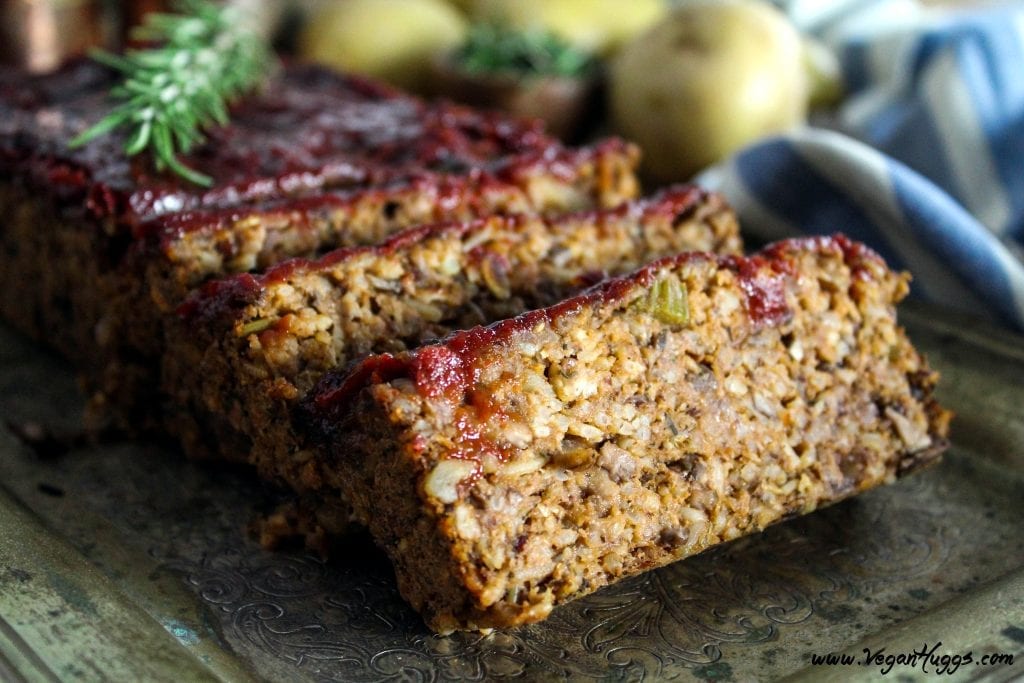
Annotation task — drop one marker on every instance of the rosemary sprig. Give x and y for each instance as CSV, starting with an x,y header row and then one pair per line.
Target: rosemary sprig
x,y
492,48
204,57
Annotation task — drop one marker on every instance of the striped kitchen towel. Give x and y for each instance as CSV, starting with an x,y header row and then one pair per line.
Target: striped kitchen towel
x,y
930,170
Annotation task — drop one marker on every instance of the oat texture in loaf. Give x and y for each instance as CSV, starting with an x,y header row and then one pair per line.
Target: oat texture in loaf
x,y
245,350
97,247
510,468
178,253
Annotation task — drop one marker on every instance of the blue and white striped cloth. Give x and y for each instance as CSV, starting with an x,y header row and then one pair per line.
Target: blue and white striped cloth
x,y
930,170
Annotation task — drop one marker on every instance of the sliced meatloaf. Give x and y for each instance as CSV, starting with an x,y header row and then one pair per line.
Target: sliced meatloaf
x,y
510,468
97,247
244,350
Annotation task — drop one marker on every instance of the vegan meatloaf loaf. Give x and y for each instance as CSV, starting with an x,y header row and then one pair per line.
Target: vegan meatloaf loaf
x,y
96,247
510,468
246,349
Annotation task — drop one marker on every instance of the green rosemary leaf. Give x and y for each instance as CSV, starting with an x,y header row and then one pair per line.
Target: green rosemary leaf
x,y
110,59
116,118
139,139
205,57
188,173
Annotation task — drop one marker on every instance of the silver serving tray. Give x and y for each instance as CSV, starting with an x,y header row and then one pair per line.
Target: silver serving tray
x,y
125,562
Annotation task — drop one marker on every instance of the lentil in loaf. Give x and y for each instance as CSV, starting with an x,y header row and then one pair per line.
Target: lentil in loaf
x,y
511,468
246,349
98,247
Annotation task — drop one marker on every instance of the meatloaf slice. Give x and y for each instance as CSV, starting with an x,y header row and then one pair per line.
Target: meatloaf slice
x,y
510,468
174,254
96,247
308,130
246,349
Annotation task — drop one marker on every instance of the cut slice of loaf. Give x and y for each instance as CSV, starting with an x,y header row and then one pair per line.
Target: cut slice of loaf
x,y
245,349
510,468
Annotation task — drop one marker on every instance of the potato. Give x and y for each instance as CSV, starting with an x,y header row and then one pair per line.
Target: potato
x,y
389,39
709,78
464,6
600,26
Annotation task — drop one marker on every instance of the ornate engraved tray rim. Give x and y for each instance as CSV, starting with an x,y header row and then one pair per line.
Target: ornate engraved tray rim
x,y
123,561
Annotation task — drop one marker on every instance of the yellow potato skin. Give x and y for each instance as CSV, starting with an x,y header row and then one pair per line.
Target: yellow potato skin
x,y
711,77
393,40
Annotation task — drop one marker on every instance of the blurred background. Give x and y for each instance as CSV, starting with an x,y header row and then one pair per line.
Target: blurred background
x,y
900,122
570,62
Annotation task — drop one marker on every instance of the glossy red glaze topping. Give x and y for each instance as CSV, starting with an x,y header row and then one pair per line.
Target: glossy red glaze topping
x,y
377,369
222,299
762,279
764,283
309,129
439,370
449,192
856,255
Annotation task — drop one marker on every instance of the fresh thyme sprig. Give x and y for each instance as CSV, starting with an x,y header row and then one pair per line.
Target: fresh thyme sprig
x,y
204,57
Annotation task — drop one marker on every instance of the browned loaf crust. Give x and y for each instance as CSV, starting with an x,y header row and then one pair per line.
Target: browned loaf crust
x,y
246,349
510,468
96,248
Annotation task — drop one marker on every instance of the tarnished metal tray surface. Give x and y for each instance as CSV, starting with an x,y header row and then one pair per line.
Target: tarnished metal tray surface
x,y
123,561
